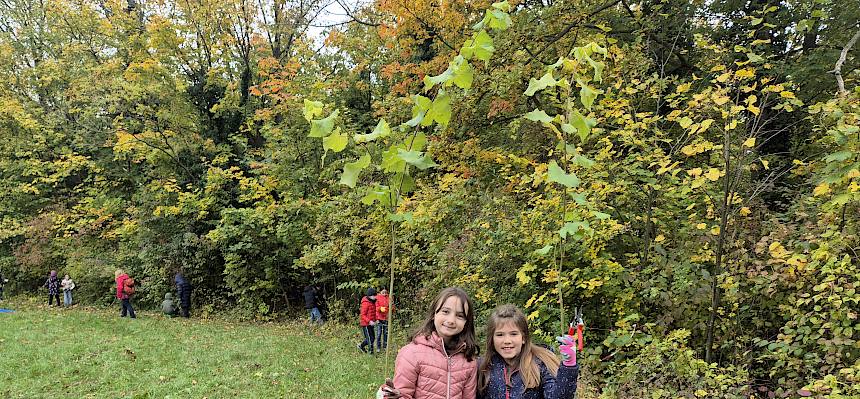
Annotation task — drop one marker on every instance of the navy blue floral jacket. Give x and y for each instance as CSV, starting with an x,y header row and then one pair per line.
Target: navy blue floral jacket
x,y
561,386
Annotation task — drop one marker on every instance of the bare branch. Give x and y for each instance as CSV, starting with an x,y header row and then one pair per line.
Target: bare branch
x,y
838,69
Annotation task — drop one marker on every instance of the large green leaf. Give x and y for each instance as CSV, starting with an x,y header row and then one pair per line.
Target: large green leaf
x,y
417,159
377,193
402,183
335,142
538,115
582,124
576,230
416,142
391,161
463,73
353,169
587,94
381,130
535,85
440,111
323,127
480,46
312,109
544,251
443,78
557,174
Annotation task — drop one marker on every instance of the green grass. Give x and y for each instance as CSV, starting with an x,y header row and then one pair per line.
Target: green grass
x,y
93,353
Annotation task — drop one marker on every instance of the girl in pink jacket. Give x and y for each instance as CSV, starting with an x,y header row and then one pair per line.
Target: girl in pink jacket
x,y
441,361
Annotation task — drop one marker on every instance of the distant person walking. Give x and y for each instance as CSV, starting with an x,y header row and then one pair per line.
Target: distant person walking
x,y
311,305
368,320
124,291
67,285
382,320
183,288
53,286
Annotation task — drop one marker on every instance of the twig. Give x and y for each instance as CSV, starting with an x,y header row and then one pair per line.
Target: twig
x,y
837,70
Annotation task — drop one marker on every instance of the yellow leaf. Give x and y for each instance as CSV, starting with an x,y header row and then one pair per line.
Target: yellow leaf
x,y
695,172
745,211
683,88
713,174
706,124
777,250
720,100
724,77
701,226
715,230
755,110
821,190
660,238
787,94
745,73
749,143
765,163
853,173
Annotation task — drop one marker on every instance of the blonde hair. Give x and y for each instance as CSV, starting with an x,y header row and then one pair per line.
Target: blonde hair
x,y
526,361
117,273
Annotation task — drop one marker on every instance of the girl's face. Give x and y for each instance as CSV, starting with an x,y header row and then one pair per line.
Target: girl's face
x,y
450,318
508,341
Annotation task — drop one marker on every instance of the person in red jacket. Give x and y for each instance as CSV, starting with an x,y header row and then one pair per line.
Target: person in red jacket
x,y
122,293
368,320
382,320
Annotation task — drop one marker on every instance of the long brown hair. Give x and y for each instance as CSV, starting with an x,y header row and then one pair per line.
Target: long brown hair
x,y
467,336
526,360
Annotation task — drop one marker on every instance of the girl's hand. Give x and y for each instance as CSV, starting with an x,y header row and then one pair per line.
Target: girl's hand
x,y
388,391
567,348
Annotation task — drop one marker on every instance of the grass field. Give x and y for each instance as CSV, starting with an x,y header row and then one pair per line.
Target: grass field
x,y
92,353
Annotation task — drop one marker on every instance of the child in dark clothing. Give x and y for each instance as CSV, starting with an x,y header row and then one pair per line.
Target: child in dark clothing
x,y
53,286
368,320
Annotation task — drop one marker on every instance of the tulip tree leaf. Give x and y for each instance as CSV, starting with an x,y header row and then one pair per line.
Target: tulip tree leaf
x,y
312,109
353,169
536,85
538,115
558,175
323,127
417,159
336,142
381,130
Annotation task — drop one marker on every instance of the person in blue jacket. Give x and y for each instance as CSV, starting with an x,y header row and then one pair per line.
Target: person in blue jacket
x,y
183,289
516,368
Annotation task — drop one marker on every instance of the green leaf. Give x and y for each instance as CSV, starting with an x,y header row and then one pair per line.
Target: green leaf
x,y
556,174
440,111
377,193
416,143
582,124
401,217
416,159
353,169
587,94
755,58
544,251
535,85
600,215
538,115
582,161
391,161
579,198
463,73
335,142
576,230
323,127
443,78
312,109
839,156
480,46
381,130
503,6
402,183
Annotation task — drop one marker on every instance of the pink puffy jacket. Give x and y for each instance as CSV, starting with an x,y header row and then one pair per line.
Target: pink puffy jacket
x,y
424,371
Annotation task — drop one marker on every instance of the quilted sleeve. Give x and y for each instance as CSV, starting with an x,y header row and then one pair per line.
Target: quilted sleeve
x,y
406,371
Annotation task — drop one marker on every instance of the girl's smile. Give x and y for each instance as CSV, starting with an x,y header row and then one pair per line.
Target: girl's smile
x,y
450,318
508,342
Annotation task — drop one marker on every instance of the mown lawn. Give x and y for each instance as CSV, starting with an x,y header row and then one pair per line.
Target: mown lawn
x,y
92,353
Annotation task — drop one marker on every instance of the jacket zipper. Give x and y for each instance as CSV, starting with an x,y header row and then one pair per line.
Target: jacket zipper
x,y
505,380
448,387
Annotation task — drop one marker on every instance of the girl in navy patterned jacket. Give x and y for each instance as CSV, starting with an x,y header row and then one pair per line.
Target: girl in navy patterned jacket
x,y
515,368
